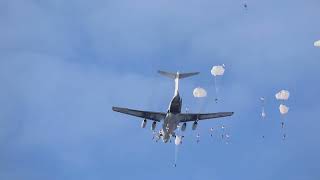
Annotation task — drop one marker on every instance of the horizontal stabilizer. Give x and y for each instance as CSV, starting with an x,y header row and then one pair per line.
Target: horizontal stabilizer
x,y
177,75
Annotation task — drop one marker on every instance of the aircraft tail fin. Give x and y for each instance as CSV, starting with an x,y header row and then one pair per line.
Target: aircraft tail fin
x,y
177,75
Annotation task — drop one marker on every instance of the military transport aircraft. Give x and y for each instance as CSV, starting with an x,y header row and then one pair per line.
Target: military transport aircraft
x,y
173,117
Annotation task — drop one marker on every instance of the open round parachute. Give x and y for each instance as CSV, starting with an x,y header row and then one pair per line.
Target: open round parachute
x,y
283,109
217,70
199,92
283,95
317,43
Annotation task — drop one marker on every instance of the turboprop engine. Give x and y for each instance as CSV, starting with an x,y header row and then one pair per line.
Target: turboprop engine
x,y
153,126
144,123
194,125
184,126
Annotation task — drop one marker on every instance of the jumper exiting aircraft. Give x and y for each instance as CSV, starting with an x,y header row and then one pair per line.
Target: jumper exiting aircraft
x,y
173,117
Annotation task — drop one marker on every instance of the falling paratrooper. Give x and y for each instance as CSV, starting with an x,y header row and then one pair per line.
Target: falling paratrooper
x,y
283,95
211,132
217,71
223,132
245,5
177,142
198,138
263,113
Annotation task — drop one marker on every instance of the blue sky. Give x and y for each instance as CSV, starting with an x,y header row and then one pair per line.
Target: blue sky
x,y
64,64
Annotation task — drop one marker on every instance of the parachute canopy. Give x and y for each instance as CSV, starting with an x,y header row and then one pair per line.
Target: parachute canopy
x,y
199,92
317,43
283,95
217,70
283,109
178,140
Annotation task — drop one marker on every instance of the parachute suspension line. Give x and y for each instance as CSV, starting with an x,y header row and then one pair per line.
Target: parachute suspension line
x,y
200,94
263,113
216,88
200,103
283,127
217,71
283,110
176,155
178,142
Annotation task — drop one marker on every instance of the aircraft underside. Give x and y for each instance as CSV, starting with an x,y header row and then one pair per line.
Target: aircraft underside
x,y
169,125
171,119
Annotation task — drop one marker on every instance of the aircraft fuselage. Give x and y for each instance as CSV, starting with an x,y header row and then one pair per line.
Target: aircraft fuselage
x,y
171,121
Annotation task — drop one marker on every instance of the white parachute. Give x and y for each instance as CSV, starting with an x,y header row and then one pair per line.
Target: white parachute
x,y
283,95
317,43
217,71
199,92
178,140
283,109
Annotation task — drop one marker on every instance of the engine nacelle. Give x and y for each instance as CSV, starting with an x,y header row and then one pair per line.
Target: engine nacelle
x,y
194,125
153,126
144,123
184,126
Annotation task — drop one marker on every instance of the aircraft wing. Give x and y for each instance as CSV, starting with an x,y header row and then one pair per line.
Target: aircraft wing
x,y
195,117
156,116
